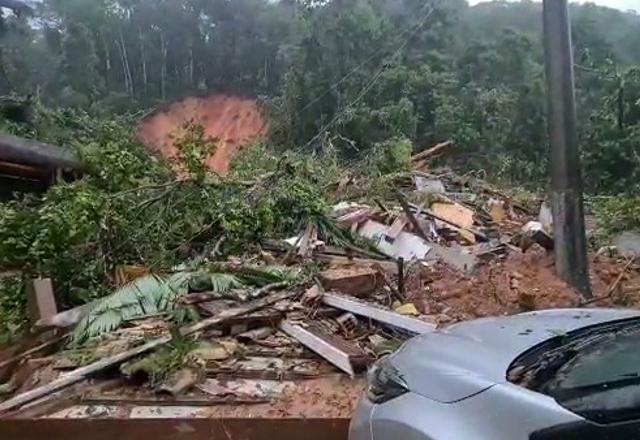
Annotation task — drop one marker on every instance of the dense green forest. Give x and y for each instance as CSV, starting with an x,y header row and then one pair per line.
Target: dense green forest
x,y
349,73
351,87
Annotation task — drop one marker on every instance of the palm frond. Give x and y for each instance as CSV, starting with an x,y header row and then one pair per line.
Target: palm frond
x,y
223,282
152,294
143,296
260,276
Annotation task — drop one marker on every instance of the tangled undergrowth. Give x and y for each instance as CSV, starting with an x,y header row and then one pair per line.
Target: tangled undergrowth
x,y
130,207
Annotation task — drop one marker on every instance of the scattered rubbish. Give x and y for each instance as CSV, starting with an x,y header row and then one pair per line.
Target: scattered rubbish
x,y
406,245
533,232
453,213
246,329
261,390
428,186
408,309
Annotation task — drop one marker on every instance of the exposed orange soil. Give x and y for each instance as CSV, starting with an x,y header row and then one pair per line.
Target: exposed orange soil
x,y
519,283
230,121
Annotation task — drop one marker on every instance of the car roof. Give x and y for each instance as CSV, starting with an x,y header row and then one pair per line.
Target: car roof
x,y
465,358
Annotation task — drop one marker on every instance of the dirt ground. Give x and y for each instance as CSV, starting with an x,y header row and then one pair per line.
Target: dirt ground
x,y
231,121
520,282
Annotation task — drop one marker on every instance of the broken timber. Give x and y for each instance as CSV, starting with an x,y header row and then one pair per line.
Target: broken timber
x,y
335,350
82,373
427,213
409,324
420,159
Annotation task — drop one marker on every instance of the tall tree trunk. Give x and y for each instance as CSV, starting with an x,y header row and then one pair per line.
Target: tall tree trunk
x,y
124,67
163,67
143,61
126,63
107,62
5,84
191,81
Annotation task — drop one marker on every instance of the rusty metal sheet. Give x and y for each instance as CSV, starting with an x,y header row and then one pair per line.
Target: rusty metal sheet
x,y
175,429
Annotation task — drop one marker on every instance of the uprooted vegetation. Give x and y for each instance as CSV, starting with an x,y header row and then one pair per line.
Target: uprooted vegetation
x,y
132,208
190,278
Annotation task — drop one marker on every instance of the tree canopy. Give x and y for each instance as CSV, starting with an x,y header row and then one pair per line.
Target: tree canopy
x,y
347,73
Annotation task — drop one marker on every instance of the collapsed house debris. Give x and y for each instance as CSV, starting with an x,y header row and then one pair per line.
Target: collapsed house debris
x,y
259,329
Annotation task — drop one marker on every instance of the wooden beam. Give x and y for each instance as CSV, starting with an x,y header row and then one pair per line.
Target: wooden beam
x,y
394,319
41,302
332,348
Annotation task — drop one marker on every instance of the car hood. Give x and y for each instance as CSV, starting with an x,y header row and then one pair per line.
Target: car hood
x,y
464,359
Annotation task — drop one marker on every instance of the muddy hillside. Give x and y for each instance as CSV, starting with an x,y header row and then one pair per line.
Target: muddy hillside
x,y
230,121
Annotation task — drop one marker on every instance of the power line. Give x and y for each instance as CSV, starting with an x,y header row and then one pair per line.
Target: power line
x,y
371,83
354,70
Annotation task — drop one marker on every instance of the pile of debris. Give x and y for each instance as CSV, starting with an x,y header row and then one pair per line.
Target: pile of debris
x,y
245,345
254,330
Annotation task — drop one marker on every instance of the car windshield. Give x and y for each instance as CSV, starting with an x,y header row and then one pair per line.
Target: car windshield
x,y
594,373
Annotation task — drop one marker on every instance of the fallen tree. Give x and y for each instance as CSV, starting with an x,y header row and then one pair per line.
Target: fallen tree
x,y
19,150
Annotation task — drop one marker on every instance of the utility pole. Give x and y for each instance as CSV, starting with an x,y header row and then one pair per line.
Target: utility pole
x,y
566,177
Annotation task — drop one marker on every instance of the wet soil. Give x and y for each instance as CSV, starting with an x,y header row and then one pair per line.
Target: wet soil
x,y
229,121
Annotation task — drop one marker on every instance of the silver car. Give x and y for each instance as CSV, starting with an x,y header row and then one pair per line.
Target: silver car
x,y
557,374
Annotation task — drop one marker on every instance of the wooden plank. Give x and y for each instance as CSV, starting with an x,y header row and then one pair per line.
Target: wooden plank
x,y
397,226
394,319
322,344
41,302
454,213
80,374
37,349
474,231
432,152
183,428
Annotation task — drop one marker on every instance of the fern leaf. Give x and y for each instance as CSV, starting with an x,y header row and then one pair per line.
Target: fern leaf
x,y
223,282
143,296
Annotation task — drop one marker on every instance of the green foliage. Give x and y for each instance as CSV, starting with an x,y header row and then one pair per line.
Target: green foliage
x,y
618,214
13,308
159,365
345,75
344,83
155,294
194,149
147,295
391,156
